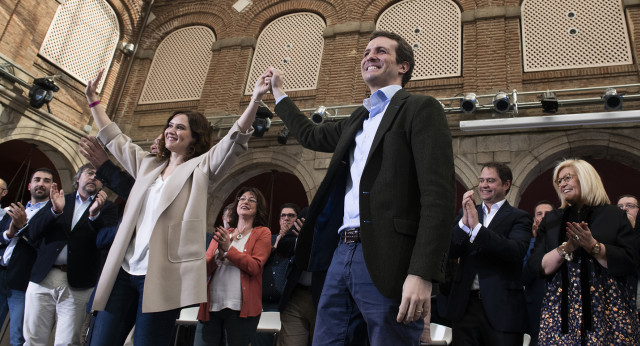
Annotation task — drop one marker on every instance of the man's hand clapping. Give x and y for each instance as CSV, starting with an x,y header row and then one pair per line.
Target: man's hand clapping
x,y
57,198
18,218
97,204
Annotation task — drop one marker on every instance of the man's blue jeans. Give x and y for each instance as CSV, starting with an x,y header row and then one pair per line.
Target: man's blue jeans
x,y
12,301
124,308
353,312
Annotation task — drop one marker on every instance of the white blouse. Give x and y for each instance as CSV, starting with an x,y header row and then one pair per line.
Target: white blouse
x,y
225,290
136,260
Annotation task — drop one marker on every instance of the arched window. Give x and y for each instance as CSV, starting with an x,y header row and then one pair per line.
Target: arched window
x,y
434,29
566,34
82,38
179,67
293,44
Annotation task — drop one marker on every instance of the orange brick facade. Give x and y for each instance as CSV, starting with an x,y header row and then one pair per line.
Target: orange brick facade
x,y
491,61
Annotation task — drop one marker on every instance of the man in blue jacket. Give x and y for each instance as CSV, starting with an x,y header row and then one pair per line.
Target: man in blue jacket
x,y
18,253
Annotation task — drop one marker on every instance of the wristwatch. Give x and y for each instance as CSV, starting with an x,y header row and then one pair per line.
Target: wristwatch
x,y
595,249
563,252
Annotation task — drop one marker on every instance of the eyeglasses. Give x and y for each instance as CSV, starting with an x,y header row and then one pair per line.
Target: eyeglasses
x,y
289,216
244,199
567,178
627,206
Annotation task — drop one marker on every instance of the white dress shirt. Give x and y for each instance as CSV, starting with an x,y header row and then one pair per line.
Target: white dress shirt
x,y
377,105
79,208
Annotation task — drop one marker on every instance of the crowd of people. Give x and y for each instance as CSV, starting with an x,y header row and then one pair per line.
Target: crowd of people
x,y
360,261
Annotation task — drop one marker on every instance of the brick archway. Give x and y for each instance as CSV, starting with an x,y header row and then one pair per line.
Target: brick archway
x,y
602,148
57,143
260,161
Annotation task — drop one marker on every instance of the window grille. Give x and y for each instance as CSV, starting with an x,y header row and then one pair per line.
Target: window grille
x,y
434,29
179,67
294,44
566,34
82,38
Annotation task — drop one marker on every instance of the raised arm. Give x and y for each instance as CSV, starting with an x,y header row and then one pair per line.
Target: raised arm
x,y
97,110
262,86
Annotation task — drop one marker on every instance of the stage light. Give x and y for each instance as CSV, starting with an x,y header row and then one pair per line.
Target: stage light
x,y
127,48
320,115
468,103
283,135
41,92
612,101
549,102
501,102
262,122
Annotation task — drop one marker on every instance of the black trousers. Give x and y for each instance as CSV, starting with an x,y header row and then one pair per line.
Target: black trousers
x,y
474,329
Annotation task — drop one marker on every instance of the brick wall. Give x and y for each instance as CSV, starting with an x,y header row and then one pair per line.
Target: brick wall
x,y
491,58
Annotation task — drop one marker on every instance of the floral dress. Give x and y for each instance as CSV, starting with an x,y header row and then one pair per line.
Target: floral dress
x,y
611,302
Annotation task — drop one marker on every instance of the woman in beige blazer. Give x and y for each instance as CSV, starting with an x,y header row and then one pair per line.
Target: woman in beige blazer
x,y
156,264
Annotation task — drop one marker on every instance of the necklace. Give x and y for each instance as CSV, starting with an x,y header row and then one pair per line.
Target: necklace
x,y
240,235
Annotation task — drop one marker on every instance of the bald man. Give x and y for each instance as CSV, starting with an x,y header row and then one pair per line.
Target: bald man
x,y
3,192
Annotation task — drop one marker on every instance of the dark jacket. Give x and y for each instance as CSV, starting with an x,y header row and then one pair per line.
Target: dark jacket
x,y
406,191
22,258
286,248
496,256
609,225
117,180
51,234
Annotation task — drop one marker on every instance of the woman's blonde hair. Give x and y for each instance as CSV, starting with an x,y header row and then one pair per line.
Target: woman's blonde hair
x,y
592,191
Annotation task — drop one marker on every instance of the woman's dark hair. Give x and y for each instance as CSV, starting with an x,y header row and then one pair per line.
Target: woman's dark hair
x,y
261,218
200,131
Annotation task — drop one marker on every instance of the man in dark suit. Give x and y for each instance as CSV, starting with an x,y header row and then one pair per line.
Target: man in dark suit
x,y
299,298
380,220
67,263
534,285
17,254
629,203
486,303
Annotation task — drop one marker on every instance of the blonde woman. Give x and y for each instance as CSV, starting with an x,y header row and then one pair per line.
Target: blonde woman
x,y
586,250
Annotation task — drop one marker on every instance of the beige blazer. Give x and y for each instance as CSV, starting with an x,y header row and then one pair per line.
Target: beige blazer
x,y
176,273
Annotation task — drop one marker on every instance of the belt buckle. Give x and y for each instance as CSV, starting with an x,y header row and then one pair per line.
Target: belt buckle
x,y
351,235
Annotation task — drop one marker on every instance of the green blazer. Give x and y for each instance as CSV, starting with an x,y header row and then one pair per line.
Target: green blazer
x,y
406,191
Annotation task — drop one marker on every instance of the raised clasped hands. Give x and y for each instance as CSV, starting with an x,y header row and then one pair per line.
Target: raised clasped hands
x,y
276,82
263,85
